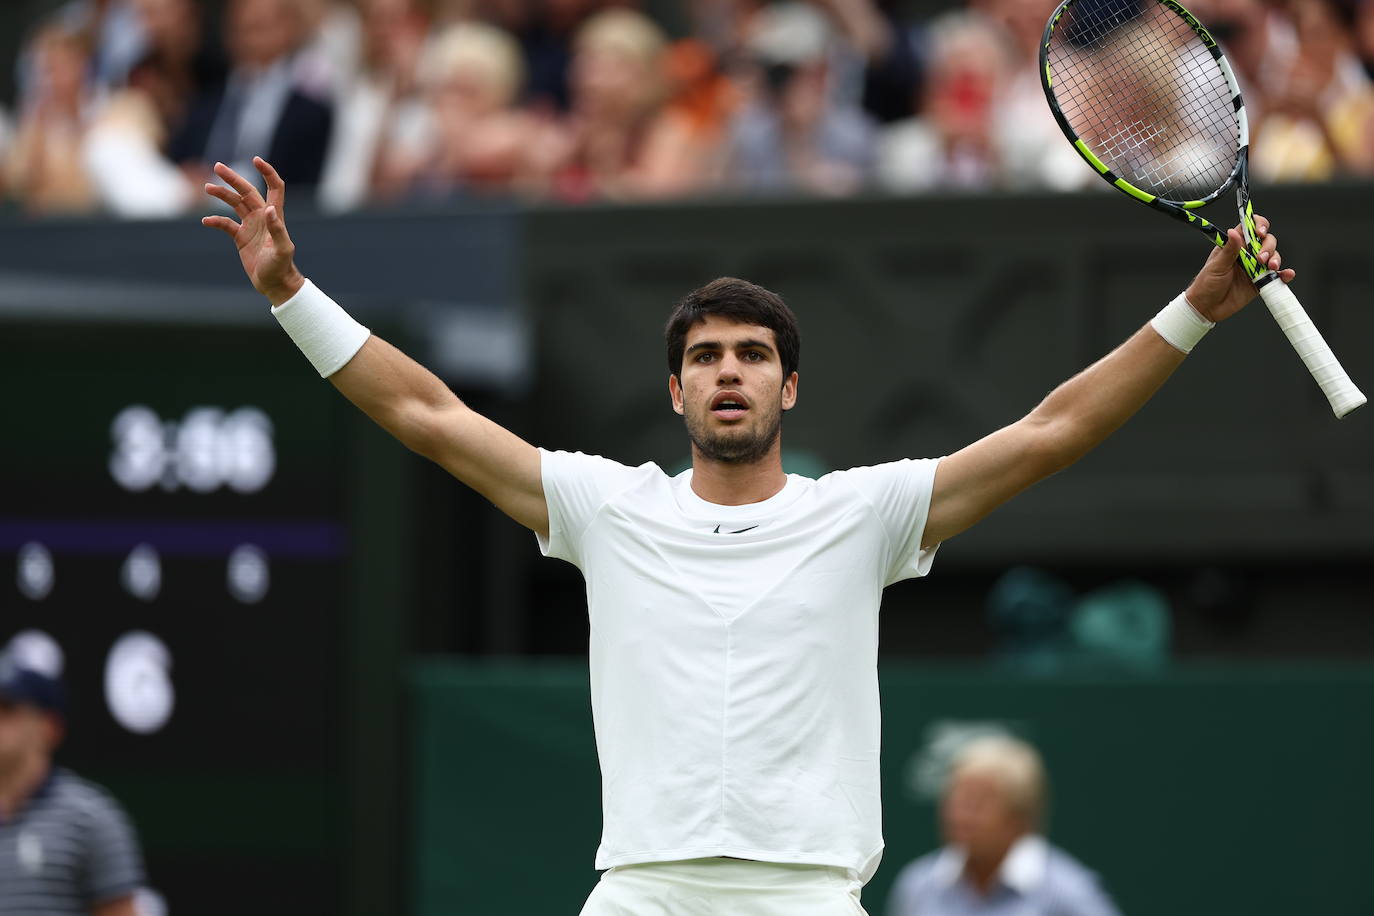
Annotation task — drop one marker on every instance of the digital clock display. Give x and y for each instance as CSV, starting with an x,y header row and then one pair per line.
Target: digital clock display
x,y
173,540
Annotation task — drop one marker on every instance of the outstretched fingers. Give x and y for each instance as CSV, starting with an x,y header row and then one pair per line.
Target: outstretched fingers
x,y
277,227
276,188
223,224
249,194
229,196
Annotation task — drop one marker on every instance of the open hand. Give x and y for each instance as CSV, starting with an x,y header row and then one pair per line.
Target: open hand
x,y
267,252
1222,287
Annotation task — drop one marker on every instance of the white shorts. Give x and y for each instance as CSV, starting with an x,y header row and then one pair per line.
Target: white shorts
x,y
725,887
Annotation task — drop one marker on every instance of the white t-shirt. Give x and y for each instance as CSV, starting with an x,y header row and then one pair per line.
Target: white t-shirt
x,y
734,655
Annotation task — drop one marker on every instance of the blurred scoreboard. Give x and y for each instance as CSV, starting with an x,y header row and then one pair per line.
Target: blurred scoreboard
x,y
173,539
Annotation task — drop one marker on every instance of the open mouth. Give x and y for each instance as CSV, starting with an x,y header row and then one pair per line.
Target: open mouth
x,y
729,406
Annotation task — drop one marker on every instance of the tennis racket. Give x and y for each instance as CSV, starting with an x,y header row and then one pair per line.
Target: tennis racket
x,y
1145,95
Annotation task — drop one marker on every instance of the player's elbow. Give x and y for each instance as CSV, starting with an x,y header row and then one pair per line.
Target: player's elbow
x,y
418,426
1052,444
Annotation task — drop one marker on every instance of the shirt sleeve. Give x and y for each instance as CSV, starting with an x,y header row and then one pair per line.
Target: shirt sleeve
x,y
114,864
576,486
900,494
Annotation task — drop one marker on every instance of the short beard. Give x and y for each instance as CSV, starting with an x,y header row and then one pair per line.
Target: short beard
x,y
740,448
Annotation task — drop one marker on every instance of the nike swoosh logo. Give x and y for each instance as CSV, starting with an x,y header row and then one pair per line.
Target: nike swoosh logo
x,y
741,531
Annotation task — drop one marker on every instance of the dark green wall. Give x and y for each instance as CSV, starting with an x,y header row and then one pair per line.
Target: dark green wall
x,y
1199,792
929,322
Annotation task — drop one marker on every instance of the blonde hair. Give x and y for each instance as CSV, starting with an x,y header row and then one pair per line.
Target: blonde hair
x,y
626,32
1014,765
473,47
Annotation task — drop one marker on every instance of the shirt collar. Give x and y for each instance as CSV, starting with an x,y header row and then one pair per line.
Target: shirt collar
x,y
1022,870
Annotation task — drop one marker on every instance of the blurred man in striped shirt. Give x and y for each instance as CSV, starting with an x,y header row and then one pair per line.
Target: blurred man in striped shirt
x,y
66,846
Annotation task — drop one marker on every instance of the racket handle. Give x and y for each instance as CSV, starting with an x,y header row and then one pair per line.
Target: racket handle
x,y
1311,347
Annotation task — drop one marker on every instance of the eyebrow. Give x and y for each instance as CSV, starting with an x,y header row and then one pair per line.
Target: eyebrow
x,y
746,344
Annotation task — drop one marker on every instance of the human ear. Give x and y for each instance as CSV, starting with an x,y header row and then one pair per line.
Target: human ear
x,y
675,392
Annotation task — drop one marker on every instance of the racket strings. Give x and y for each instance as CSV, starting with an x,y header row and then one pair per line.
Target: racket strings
x,y
1146,96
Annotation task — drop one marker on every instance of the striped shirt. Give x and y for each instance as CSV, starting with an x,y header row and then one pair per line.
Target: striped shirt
x,y
1036,879
69,848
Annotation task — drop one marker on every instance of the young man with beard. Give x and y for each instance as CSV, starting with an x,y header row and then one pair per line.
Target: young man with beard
x,y
733,608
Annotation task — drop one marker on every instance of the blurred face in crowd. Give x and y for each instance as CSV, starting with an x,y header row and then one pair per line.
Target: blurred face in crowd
x,y
1024,21
393,32
26,732
469,93
62,63
804,94
731,391
1322,37
977,816
964,81
608,82
172,26
258,32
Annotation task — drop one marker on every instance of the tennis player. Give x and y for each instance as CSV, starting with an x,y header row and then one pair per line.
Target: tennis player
x,y
734,608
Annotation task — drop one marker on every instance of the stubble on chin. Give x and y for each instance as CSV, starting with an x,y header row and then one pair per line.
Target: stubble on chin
x,y
732,445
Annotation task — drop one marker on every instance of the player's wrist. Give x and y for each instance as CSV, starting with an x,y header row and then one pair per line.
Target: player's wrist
x,y
1181,324
327,335
285,289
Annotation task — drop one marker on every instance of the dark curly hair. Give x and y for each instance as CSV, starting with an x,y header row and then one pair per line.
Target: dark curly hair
x,y
737,300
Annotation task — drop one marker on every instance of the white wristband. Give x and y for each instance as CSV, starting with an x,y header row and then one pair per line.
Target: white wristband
x,y
1180,324
325,333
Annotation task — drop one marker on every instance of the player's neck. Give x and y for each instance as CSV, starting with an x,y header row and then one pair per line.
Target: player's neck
x,y
728,483
20,781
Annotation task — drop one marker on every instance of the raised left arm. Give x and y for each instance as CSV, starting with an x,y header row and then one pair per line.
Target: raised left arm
x,y
1086,409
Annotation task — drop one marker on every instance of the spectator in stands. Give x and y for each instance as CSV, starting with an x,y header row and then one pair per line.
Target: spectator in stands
x,y
125,148
701,104
616,143
952,144
259,109
1030,148
1259,41
180,60
65,845
115,33
793,133
546,31
473,138
379,114
45,169
994,860
1319,121
331,46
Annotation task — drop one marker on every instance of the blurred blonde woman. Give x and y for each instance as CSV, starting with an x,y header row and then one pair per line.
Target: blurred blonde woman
x,y
45,170
619,141
473,137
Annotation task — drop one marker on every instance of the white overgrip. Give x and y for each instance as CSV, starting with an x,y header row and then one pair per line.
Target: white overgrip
x,y
1311,347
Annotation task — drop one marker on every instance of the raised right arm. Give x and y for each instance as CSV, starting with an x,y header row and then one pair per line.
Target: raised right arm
x,y
398,393
408,401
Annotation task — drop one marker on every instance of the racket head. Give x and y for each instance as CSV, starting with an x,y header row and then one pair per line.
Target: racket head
x,y
1143,92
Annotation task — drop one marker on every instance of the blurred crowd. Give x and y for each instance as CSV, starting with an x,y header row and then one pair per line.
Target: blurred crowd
x,y
122,106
